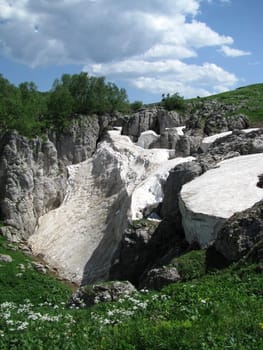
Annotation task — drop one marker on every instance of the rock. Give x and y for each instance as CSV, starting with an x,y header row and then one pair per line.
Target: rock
x,y
239,140
32,181
209,200
89,295
237,121
159,277
131,258
178,176
146,245
240,233
39,267
207,141
5,258
212,117
168,120
144,120
156,119
215,124
33,174
147,138
79,142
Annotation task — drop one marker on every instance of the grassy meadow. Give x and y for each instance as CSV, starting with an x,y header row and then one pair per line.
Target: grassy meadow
x,y
214,311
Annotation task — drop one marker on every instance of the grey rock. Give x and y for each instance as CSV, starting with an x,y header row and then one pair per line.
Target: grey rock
x,y
237,121
139,122
240,233
215,124
159,277
131,258
212,117
39,267
33,173
78,143
168,120
180,175
147,245
156,119
5,258
89,295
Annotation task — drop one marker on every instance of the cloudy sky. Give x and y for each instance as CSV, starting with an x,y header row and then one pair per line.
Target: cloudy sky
x,y
150,47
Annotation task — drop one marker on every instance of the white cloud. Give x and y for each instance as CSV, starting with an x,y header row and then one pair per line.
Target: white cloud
x,y
143,42
231,52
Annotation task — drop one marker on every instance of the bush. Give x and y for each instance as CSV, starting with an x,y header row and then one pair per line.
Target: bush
x,y
173,102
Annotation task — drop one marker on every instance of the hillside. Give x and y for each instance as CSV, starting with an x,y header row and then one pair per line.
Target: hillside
x,y
247,100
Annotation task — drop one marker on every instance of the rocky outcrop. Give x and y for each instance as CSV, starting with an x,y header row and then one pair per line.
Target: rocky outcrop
x,y
32,182
242,142
240,233
156,119
209,200
147,245
89,295
33,173
159,277
212,117
79,141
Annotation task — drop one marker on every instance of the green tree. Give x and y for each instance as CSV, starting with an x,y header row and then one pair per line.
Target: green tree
x,y
173,102
60,107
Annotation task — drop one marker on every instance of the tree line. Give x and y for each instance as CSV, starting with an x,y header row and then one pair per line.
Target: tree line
x,y
31,112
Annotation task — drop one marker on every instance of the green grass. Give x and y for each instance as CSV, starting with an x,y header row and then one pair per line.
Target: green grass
x,y
248,100
217,311
191,265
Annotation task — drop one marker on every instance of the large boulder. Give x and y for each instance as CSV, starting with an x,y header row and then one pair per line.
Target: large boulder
x,y
240,233
209,200
159,277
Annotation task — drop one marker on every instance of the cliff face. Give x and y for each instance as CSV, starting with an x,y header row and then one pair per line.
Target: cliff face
x,y
33,173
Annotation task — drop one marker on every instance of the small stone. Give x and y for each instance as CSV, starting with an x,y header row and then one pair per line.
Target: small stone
x,y
5,258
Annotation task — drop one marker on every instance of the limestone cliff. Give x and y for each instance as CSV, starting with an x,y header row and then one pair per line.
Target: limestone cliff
x,y
33,173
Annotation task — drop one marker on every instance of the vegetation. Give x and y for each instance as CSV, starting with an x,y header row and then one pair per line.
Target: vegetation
x,y
31,112
220,310
173,102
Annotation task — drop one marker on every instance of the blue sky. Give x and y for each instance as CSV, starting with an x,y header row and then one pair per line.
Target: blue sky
x,y
150,47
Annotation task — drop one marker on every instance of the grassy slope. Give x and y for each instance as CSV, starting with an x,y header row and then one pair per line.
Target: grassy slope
x,y
249,100
222,310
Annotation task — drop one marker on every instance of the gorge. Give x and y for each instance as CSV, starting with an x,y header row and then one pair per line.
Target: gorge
x,y
73,195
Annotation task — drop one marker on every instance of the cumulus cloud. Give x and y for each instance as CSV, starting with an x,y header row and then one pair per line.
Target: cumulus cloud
x,y
231,52
144,43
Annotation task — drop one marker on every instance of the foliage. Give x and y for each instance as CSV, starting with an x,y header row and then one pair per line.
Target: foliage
x,y
31,112
136,106
222,310
173,102
191,265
